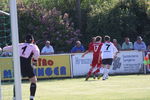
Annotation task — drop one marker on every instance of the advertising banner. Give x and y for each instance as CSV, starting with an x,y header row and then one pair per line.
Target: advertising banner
x,y
53,66
47,67
81,65
6,68
126,62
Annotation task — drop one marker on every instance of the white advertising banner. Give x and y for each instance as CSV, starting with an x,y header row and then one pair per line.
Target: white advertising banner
x,y
128,62
125,63
80,66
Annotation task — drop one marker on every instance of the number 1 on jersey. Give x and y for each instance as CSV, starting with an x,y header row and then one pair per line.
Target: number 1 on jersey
x,y
24,49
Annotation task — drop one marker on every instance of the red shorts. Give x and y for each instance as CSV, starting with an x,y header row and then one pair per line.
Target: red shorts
x,y
95,62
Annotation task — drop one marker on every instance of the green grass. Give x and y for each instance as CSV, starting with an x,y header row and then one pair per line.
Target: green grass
x,y
130,87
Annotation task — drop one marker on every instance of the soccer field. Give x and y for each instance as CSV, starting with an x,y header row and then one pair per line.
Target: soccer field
x,y
128,87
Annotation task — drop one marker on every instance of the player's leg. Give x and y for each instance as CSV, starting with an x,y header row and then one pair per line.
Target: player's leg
x,y
109,63
33,86
105,72
95,73
101,73
99,64
96,66
104,64
33,81
14,92
93,64
89,73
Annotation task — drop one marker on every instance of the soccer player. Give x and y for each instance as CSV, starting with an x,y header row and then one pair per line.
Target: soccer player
x,y
93,40
28,51
108,53
96,61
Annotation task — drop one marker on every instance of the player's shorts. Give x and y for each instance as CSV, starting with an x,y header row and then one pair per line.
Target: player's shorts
x,y
26,68
107,61
95,62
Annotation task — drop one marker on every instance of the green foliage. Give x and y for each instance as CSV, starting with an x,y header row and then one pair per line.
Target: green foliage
x,y
45,25
4,5
5,37
119,19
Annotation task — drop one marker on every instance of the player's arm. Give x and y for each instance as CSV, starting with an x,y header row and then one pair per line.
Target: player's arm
x,y
8,49
86,52
36,54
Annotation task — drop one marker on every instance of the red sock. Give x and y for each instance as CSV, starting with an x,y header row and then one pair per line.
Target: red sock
x,y
97,71
90,71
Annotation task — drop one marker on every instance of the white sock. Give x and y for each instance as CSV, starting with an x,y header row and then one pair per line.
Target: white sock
x,y
31,97
105,73
101,70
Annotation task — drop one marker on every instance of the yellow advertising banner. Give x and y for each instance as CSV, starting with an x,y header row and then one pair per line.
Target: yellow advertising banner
x,y
47,67
6,68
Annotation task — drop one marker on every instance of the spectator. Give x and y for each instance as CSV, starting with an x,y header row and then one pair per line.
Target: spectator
x,y
78,48
148,48
117,45
47,49
0,50
6,54
139,44
127,45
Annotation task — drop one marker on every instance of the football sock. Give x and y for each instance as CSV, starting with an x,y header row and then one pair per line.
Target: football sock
x,y
90,71
105,73
32,91
14,91
97,71
101,70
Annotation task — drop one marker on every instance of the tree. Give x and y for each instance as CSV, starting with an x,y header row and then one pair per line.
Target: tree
x,y
78,15
47,24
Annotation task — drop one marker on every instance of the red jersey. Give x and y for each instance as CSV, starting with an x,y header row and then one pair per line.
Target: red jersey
x,y
95,48
90,44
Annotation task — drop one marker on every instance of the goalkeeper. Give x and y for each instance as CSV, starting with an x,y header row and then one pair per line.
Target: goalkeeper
x,y
28,51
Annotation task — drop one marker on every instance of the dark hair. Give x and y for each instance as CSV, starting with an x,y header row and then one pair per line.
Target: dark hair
x,y
107,38
98,38
29,38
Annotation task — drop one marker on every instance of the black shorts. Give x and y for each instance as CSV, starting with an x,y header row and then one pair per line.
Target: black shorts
x,y
26,68
107,61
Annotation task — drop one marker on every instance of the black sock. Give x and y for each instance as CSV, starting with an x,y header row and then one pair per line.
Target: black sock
x,y
32,89
14,91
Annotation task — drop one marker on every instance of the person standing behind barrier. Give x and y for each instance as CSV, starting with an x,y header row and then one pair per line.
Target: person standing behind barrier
x,y
116,44
47,49
1,50
127,45
148,48
139,44
28,51
78,48
108,53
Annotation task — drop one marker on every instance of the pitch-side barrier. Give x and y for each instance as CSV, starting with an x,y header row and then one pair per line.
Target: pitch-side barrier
x,y
72,65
